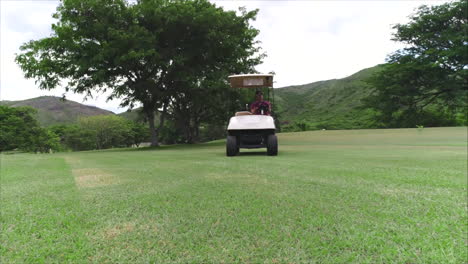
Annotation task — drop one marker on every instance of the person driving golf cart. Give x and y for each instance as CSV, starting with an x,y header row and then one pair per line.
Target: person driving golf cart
x,y
260,107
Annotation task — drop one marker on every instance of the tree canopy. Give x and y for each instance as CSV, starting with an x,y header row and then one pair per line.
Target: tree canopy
x,y
20,130
425,83
153,52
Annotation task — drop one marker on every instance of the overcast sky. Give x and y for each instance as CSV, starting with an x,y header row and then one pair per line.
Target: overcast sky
x,y
306,41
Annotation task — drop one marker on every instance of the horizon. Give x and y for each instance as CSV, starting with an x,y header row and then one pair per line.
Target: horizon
x,y
306,41
128,109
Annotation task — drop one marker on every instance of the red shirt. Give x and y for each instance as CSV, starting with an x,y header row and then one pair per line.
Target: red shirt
x,y
255,106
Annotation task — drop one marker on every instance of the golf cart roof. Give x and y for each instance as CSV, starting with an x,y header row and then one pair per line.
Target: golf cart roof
x,y
251,80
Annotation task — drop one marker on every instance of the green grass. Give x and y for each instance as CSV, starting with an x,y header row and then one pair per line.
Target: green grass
x,y
362,196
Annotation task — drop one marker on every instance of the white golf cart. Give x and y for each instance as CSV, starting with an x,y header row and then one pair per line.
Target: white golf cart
x,y
248,130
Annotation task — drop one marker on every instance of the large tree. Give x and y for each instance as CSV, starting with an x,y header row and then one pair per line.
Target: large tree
x,y
142,52
211,47
204,101
426,82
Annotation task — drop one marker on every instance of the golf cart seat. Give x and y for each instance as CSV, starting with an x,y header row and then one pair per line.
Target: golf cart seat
x,y
242,113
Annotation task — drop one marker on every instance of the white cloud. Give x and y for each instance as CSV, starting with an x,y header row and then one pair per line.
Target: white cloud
x,y
22,21
306,41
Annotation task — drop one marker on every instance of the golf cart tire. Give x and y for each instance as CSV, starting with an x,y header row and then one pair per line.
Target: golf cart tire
x,y
231,146
272,145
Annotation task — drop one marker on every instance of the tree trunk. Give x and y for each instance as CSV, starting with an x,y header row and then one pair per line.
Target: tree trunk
x,y
188,129
152,128
162,118
197,130
188,134
191,133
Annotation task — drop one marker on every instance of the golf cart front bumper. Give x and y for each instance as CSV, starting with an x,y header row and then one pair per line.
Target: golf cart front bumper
x,y
251,122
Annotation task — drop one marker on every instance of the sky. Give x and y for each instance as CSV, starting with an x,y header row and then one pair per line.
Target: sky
x,y
305,41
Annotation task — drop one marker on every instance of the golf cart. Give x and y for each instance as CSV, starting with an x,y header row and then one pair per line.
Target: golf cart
x,y
248,130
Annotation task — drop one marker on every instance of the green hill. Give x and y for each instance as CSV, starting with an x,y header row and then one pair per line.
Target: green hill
x,y
331,104
53,110
132,115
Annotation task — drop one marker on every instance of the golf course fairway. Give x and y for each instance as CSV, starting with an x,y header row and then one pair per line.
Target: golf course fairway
x,y
345,196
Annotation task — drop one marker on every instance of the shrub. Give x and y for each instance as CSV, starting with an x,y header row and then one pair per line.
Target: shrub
x,y
20,130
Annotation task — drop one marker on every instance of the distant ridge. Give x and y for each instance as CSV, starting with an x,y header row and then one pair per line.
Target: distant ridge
x,y
330,104
53,110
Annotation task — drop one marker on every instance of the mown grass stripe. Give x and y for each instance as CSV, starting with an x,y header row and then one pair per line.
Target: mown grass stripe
x,y
42,218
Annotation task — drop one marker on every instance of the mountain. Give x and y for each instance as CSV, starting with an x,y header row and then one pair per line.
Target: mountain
x,y
331,104
53,110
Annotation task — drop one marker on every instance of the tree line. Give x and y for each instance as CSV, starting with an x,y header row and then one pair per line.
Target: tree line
x,y
21,131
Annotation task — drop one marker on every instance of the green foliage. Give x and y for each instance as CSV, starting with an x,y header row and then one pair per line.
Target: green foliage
x,y
420,128
43,141
20,130
296,126
136,115
17,126
331,104
163,54
425,83
174,130
110,131
210,132
171,133
76,138
101,132
107,131
139,133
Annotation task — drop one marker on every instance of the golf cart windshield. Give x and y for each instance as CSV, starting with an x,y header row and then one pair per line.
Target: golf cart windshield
x,y
260,82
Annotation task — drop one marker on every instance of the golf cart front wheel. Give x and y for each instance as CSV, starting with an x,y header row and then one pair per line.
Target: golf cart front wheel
x,y
231,146
272,145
